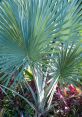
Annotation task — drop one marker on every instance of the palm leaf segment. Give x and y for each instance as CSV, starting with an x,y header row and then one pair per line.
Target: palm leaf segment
x,y
27,27
67,63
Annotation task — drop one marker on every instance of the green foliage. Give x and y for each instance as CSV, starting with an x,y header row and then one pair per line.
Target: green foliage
x,y
67,63
14,106
28,28
31,34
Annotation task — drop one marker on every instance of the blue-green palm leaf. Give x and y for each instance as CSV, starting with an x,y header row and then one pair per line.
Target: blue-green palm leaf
x,y
67,63
28,27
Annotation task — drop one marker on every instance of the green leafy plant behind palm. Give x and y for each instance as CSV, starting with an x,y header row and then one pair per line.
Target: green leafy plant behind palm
x,y
27,30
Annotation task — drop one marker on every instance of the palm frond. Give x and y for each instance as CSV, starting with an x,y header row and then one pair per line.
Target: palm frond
x,y
73,22
67,63
28,28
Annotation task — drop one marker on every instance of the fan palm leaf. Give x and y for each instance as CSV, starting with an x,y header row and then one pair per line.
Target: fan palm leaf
x,y
27,29
67,63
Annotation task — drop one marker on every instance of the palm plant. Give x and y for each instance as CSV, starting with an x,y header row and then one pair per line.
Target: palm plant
x,y
29,33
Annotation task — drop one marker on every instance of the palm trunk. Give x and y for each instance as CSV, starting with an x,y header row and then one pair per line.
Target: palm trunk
x,y
21,114
40,115
37,115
